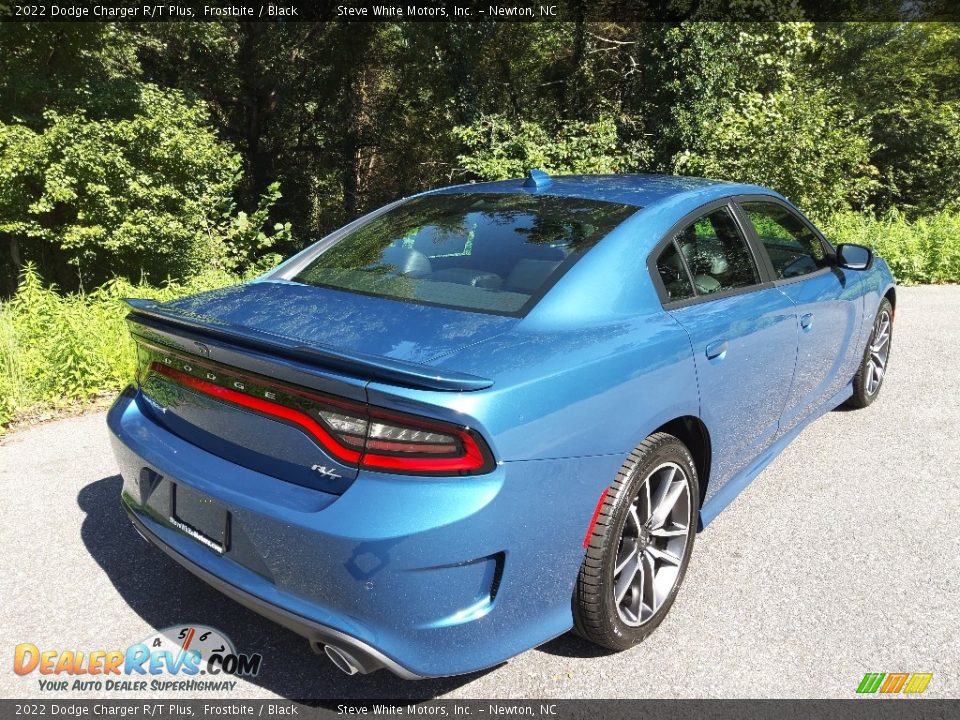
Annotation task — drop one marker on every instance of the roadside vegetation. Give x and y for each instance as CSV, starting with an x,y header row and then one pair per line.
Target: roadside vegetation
x,y
161,159
58,350
923,250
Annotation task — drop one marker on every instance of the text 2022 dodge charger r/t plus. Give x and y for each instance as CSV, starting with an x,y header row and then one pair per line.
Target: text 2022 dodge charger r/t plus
x,y
478,417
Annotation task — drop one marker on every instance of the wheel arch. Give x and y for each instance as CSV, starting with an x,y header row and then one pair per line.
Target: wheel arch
x,y
692,432
891,295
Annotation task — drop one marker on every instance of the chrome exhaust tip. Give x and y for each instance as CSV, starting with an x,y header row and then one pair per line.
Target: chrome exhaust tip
x,y
342,659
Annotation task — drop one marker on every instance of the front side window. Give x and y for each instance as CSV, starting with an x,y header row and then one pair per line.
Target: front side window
x,y
794,248
488,252
716,254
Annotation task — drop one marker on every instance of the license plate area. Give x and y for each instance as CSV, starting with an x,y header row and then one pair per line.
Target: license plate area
x,y
200,517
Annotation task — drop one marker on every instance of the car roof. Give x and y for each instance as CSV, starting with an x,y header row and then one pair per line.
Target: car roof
x,y
642,190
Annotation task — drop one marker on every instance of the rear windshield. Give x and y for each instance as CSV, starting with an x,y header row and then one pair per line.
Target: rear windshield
x,y
488,252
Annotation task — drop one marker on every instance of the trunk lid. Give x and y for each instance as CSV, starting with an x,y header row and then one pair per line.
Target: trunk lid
x,y
211,367
344,322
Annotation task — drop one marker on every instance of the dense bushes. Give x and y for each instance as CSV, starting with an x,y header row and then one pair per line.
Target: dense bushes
x,y
926,250
148,152
60,349
798,140
147,195
497,149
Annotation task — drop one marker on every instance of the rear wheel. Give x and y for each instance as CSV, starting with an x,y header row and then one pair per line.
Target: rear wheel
x,y
873,367
640,546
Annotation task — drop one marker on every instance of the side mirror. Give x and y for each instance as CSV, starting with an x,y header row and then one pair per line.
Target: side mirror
x,y
854,257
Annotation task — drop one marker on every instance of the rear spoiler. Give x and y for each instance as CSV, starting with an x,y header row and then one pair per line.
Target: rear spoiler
x,y
150,314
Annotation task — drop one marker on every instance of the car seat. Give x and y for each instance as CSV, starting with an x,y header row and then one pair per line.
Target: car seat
x,y
705,263
529,275
406,261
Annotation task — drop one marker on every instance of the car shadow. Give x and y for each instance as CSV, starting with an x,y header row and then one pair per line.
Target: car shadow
x,y
574,646
844,408
164,594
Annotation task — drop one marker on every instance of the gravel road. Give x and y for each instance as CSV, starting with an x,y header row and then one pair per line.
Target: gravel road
x,y
842,558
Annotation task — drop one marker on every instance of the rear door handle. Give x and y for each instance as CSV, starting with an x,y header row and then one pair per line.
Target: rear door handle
x,y
806,321
717,350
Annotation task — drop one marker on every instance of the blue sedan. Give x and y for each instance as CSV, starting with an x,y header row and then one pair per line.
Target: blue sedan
x,y
482,416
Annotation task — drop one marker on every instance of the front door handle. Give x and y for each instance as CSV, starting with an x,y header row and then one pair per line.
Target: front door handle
x,y
806,321
717,350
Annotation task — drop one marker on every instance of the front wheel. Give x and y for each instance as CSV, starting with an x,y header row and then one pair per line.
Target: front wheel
x,y
873,367
640,546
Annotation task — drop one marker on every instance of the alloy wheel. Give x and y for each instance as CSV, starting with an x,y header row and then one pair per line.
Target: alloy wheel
x,y
652,544
879,352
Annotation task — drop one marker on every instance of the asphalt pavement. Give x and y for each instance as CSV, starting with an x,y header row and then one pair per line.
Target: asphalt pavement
x,y
842,558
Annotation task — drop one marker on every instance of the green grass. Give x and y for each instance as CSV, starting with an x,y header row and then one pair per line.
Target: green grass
x,y
925,250
61,350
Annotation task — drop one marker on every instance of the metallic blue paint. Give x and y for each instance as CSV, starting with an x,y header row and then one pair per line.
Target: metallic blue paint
x,y
449,575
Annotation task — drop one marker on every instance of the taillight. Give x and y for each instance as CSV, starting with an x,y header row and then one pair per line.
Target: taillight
x,y
403,443
354,434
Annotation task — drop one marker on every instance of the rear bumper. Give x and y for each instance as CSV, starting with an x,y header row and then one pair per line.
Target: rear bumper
x,y
423,576
370,658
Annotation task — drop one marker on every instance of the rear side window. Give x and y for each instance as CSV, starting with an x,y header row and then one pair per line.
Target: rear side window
x,y
488,252
716,254
673,274
794,248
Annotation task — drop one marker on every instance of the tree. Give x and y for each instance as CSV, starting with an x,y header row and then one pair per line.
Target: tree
x,y
798,140
498,149
148,195
904,81
104,174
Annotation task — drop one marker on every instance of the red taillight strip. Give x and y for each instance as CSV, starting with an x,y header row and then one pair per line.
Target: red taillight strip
x,y
473,459
282,412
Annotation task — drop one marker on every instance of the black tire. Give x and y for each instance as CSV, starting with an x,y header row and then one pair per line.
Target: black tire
x,y
596,612
863,393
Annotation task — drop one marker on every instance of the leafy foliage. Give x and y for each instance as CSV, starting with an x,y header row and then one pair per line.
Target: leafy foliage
x,y
498,149
925,250
797,140
60,349
901,79
142,196
347,116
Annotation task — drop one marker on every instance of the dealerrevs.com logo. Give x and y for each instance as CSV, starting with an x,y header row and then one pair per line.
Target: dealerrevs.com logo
x,y
182,658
